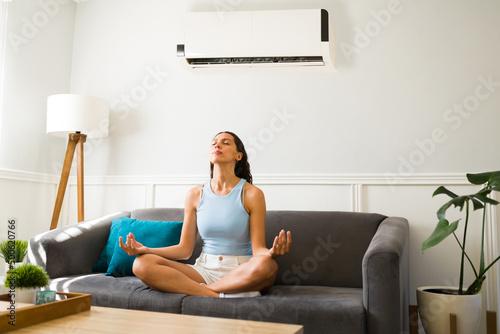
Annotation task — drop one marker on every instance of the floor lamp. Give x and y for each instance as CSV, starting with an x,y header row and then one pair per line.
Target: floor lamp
x,y
76,117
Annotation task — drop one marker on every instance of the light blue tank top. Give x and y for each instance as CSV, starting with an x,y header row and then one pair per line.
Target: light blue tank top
x,y
223,222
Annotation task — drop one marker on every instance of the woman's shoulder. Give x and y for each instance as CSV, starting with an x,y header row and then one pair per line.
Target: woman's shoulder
x,y
194,193
252,191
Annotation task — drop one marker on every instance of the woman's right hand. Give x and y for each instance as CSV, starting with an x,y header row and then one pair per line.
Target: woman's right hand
x,y
132,246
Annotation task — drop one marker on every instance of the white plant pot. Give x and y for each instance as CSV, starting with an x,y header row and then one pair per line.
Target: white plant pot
x,y
27,296
435,308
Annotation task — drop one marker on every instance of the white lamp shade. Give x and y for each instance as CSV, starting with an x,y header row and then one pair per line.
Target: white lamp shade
x,y
70,113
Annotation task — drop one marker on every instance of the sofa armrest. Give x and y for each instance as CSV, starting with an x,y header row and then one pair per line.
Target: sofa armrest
x,y
72,249
386,278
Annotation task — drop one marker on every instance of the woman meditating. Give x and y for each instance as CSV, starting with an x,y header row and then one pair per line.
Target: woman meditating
x,y
229,213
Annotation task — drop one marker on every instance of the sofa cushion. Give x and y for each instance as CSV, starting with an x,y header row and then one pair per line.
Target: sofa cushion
x,y
318,309
102,263
168,214
123,292
158,214
149,233
56,250
327,247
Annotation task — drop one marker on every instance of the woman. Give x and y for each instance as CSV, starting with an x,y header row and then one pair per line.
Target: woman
x,y
229,212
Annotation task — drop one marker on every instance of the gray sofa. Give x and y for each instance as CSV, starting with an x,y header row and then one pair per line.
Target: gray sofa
x,y
346,272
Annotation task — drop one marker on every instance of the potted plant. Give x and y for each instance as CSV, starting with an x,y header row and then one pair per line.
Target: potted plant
x,y
24,281
13,252
435,304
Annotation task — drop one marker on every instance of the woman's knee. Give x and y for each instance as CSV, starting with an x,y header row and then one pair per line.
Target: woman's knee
x,y
272,267
265,269
141,265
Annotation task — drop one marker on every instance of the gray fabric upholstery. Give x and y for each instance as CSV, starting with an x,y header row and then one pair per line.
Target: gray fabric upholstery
x,y
124,292
346,272
162,214
319,309
328,247
385,277
72,249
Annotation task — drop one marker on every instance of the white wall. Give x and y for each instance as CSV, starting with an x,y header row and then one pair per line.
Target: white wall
x,y
408,109
402,86
37,64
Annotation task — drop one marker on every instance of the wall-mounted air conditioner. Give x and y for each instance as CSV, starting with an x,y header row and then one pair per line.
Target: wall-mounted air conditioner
x,y
301,39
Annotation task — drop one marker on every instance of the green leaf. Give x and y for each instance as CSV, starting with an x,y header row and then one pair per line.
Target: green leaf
x,y
484,192
495,178
459,201
494,184
441,213
442,231
28,276
477,204
443,190
485,199
480,178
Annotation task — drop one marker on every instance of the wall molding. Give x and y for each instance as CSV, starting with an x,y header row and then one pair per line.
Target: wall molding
x,y
16,175
262,179
283,179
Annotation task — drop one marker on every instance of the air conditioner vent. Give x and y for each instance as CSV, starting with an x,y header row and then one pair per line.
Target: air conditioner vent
x,y
256,60
287,40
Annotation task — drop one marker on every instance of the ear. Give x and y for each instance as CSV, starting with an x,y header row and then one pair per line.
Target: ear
x,y
239,157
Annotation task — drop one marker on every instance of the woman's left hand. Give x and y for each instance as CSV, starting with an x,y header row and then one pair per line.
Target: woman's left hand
x,y
281,244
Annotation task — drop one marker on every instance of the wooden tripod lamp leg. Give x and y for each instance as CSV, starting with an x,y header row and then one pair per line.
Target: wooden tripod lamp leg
x,y
68,159
79,171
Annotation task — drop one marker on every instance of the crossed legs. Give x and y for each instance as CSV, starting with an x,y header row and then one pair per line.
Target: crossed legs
x,y
165,275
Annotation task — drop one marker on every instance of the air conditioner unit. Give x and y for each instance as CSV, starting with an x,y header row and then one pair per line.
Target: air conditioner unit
x,y
288,40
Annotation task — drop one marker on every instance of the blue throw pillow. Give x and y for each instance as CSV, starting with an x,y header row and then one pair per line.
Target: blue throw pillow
x,y
102,264
148,232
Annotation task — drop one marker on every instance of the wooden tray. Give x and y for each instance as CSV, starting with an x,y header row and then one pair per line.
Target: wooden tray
x,y
31,315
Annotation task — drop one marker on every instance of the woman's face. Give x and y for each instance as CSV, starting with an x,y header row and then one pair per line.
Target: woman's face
x,y
223,149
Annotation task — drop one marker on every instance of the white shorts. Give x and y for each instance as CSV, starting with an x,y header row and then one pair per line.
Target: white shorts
x,y
213,267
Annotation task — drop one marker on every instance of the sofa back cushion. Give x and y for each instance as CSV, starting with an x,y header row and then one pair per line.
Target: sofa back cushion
x,y
168,214
327,246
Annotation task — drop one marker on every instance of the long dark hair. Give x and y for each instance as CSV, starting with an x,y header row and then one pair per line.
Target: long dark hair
x,y
242,168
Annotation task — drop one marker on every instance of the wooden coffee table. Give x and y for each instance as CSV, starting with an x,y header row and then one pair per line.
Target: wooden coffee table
x,y
114,320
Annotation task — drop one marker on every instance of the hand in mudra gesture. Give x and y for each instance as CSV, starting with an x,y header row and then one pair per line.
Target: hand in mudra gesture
x,y
132,246
281,244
